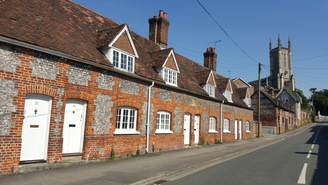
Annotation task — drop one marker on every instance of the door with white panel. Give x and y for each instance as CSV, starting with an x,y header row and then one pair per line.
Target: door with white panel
x,y
240,129
196,128
236,129
186,131
35,131
74,122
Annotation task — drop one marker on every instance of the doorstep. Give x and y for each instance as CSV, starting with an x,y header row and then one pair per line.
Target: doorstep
x,y
32,167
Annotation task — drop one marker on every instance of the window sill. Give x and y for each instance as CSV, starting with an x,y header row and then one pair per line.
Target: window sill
x,y
163,132
176,85
227,132
125,70
248,132
126,132
213,132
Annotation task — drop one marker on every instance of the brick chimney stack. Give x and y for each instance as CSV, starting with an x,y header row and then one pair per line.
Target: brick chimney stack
x,y
159,28
210,58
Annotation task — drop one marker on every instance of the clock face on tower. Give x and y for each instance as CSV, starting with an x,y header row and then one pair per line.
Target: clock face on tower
x,y
286,72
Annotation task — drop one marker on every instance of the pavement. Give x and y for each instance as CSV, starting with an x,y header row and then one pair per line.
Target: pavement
x,y
147,169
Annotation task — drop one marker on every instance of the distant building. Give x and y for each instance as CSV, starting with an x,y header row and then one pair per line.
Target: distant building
x,y
280,85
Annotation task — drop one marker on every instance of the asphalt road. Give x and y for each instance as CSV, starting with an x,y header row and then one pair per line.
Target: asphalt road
x,y
299,159
253,161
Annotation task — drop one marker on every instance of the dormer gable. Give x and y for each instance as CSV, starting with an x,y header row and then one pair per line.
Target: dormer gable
x,y
207,81
245,95
123,41
229,87
117,44
211,79
165,63
171,62
227,91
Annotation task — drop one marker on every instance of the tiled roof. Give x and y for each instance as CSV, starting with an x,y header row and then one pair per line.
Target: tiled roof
x,y
157,58
202,76
67,27
106,36
221,82
59,25
242,91
277,102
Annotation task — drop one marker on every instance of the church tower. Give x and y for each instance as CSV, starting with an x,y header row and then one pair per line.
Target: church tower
x,y
281,66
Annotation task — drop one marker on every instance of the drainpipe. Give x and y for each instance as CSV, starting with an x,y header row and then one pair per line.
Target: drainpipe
x,y
221,124
148,116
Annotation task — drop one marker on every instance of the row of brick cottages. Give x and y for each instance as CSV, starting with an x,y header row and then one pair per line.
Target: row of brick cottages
x,y
57,102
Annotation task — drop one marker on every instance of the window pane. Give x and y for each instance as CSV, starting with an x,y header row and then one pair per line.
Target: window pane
x,y
131,123
125,119
130,64
212,123
226,125
158,121
165,75
123,61
174,81
170,76
115,58
167,122
118,119
162,121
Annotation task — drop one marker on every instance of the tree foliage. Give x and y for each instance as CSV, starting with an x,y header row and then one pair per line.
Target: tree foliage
x,y
305,101
320,101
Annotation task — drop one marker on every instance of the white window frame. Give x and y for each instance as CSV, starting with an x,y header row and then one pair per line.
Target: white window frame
x,y
170,76
248,127
210,89
212,125
248,102
122,60
126,120
228,95
226,126
163,122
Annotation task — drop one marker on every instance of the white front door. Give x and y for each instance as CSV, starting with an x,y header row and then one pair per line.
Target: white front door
x,y
35,131
196,128
74,121
236,129
240,129
186,131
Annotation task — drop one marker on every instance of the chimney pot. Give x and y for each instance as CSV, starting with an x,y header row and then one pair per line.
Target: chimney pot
x,y
165,15
161,13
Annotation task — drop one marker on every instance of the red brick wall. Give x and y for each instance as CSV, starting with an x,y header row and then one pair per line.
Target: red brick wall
x,y
10,152
99,146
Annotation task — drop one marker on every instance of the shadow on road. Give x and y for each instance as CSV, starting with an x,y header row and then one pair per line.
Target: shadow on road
x,y
320,175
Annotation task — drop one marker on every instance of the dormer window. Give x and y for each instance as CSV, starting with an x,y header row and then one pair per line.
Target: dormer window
x,y
122,60
228,95
169,76
210,89
166,65
120,51
248,102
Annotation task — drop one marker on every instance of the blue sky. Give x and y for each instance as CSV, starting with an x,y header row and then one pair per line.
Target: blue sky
x,y
250,24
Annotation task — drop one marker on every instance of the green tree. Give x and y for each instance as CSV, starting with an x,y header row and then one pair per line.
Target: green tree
x,y
320,101
305,106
